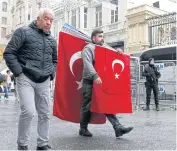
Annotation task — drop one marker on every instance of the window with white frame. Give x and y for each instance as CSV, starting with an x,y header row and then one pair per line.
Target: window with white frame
x,y
20,15
73,18
99,16
85,17
55,29
29,13
23,16
4,7
78,25
60,23
13,21
4,20
114,13
173,33
17,18
3,32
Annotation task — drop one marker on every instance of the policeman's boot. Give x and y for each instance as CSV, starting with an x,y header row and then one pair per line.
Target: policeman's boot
x,y
146,108
157,108
121,130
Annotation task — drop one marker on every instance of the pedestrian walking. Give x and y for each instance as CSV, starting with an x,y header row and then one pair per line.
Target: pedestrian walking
x,y
89,76
31,55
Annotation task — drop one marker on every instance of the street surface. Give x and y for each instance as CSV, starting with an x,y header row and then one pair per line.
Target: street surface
x,y
152,131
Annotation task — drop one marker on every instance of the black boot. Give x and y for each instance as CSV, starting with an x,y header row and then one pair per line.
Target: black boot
x,y
121,130
46,147
157,108
147,108
85,132
22,147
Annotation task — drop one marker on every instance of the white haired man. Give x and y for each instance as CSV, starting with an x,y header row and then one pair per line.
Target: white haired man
x,y
31,55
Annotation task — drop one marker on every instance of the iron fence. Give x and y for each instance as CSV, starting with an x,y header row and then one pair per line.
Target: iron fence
x,y
135,76
162,30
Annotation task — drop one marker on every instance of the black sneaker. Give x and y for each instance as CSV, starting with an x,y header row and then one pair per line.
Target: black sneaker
x,y
122,130
46,147
85,132
22,147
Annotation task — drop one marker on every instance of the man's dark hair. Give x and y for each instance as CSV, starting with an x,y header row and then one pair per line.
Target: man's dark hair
x,y
95,32
150,59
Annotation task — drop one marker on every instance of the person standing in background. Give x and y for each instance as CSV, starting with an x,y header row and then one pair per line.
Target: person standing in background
x,y
152,76
7,84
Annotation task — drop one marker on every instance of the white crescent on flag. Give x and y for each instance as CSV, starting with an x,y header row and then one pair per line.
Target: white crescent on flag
x,y
116,61
75,57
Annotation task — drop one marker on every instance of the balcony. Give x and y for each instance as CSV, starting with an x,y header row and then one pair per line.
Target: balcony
x,y
109,27
113,26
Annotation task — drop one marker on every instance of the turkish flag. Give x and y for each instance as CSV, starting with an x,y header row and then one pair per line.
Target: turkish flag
x,y
68,86
114,94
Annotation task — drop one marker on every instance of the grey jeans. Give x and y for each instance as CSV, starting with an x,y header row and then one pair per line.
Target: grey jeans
x,y
33,95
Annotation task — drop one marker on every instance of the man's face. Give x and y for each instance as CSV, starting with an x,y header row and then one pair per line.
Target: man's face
x,y
45,22
152,62
98,39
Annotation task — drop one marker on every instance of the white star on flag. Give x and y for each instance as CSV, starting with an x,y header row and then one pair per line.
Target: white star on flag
x,y
79,84
116,76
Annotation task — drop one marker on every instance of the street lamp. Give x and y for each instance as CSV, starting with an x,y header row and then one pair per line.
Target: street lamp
x,y
39,2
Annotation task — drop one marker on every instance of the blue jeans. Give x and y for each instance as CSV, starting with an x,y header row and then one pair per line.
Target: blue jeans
x,y
6,95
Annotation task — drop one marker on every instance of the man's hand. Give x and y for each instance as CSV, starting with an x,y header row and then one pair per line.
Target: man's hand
x,y
98,81
119,51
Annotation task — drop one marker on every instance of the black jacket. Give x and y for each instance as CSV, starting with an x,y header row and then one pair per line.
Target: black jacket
x,y
33,52
151,74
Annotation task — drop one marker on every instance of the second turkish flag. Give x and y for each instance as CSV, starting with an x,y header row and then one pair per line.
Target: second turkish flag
x,y
114,95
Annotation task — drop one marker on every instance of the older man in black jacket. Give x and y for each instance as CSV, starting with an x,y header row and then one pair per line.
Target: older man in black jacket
x,y
152,76
31,55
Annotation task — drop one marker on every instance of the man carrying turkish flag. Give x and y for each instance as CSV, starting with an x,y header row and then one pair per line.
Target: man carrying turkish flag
x,y
90,77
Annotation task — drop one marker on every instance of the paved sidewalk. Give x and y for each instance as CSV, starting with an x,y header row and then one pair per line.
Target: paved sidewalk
x,y
152,131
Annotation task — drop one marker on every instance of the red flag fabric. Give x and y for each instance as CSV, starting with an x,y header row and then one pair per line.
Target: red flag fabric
x,y
114,95
68,86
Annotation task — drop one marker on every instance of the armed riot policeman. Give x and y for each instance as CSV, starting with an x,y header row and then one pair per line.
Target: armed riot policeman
x,y
152,76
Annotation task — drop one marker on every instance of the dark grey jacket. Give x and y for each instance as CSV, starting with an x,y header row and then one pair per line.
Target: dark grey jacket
x,y
151,74
33,52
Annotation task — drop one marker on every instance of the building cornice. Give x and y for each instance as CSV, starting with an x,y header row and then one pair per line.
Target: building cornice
x,y
19,2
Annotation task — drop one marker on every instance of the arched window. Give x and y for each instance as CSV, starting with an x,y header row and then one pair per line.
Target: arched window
x,y
159,35
4,7
173,33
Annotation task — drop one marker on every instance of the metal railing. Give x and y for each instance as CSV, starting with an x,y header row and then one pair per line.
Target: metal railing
x,y
167,84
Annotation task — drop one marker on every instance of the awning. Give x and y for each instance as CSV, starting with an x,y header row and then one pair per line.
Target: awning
x,y
168,53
